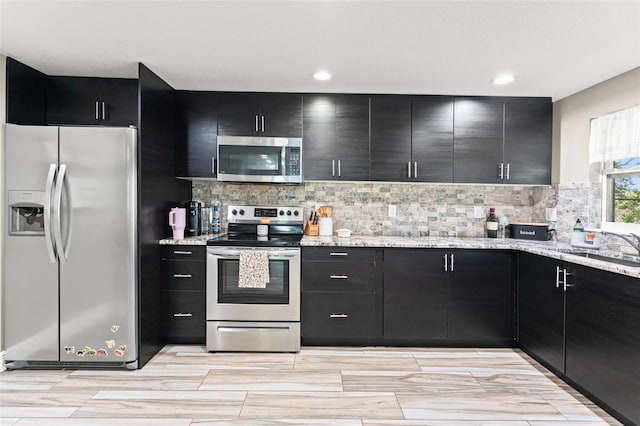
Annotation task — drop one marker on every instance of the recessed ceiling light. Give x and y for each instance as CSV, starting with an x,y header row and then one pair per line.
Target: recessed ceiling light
x,y
503,79
322,75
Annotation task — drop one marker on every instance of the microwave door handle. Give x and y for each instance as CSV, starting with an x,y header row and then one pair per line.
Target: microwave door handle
x,y
283,163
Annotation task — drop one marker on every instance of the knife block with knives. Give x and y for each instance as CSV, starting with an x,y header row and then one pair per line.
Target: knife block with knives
x,y
311,227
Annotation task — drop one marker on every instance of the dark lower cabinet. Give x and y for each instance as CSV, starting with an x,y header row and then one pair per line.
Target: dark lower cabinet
x,y
541,308
92,101
415,294
340,295
585,324
480,296
184,293
603,337
457,295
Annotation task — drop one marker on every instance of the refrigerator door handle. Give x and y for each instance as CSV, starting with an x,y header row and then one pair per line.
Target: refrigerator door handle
x,y
57,220
48,236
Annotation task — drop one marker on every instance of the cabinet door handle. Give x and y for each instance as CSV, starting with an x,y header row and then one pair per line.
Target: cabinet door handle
x,y
256,122
262,121
451,262
446,267
339,277
333,168
339,170
415,169
338,316
97,110
508,166
182,315
565,283
188,253
182,276
104,111
409,169
501,173
557,277
338,253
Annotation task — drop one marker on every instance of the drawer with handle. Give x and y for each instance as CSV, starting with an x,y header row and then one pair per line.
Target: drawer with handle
x,y
184,252
184,316
338,276
338,315
183,275
338,254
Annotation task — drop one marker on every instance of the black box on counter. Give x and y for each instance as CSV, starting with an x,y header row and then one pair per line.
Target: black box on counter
x,y
530,231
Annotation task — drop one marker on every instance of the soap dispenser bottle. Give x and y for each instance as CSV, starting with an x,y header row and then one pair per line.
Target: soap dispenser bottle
x,y
577,236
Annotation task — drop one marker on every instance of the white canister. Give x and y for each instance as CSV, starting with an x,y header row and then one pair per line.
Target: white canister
x,y
325,226
262,230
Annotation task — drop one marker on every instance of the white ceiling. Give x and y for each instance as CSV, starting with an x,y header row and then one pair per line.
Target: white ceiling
x,y
555,48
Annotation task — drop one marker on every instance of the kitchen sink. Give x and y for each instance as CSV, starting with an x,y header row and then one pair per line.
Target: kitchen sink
x,y
610,259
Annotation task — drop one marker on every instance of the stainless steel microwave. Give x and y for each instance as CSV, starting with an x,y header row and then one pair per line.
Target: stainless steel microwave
x,y
259,159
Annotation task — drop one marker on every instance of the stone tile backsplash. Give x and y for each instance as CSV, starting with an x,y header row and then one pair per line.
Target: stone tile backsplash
x,y
422,209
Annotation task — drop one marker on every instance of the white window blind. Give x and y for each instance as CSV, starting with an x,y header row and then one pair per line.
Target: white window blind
x,y
615,136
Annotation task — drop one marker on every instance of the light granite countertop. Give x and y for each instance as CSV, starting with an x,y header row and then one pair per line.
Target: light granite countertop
x,y
561,251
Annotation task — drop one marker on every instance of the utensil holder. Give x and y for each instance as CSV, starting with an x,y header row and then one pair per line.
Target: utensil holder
x,y
326,226
311,229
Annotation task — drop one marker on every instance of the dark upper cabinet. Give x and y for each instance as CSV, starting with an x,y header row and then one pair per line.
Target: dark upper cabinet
x,y
527,140
480,296
336,137
92,101
478,140
541,308
391,138
260,114
196,133
432,138
26,94
415,294
603,337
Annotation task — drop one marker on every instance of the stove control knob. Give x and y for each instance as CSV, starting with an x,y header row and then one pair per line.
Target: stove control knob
x,y
281,212
234,212
241,212
288,212
296,213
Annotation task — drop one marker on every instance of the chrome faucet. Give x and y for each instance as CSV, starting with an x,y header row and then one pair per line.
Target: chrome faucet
x,y
632,239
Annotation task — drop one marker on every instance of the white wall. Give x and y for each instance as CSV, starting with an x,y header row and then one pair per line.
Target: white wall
x,y
571,123
3,97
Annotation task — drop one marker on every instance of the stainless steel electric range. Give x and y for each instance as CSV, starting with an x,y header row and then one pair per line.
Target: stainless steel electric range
x,y
244,313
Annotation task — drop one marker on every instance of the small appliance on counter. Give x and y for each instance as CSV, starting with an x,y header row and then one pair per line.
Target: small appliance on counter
x,y
194,219
530,231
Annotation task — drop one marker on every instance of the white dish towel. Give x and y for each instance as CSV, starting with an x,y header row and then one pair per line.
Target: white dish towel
x,y
253,269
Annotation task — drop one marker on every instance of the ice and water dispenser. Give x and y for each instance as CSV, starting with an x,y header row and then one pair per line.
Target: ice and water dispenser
x,y
26,212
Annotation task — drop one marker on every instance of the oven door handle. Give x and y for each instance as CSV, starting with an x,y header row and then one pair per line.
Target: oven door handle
x,y
226,253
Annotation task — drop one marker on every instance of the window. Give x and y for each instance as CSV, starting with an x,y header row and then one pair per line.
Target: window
x,y
621,195
614,144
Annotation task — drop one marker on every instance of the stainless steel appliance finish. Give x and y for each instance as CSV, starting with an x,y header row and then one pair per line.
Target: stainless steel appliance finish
x,y
255,319
70,291
259,159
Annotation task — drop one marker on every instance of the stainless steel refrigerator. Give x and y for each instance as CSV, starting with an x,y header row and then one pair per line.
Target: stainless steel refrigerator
x,y
70,246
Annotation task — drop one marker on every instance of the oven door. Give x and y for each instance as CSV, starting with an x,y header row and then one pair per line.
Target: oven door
x,y
278,301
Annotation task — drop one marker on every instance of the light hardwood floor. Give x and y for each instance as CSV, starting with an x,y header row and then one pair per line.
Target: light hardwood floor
x,y
185,385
